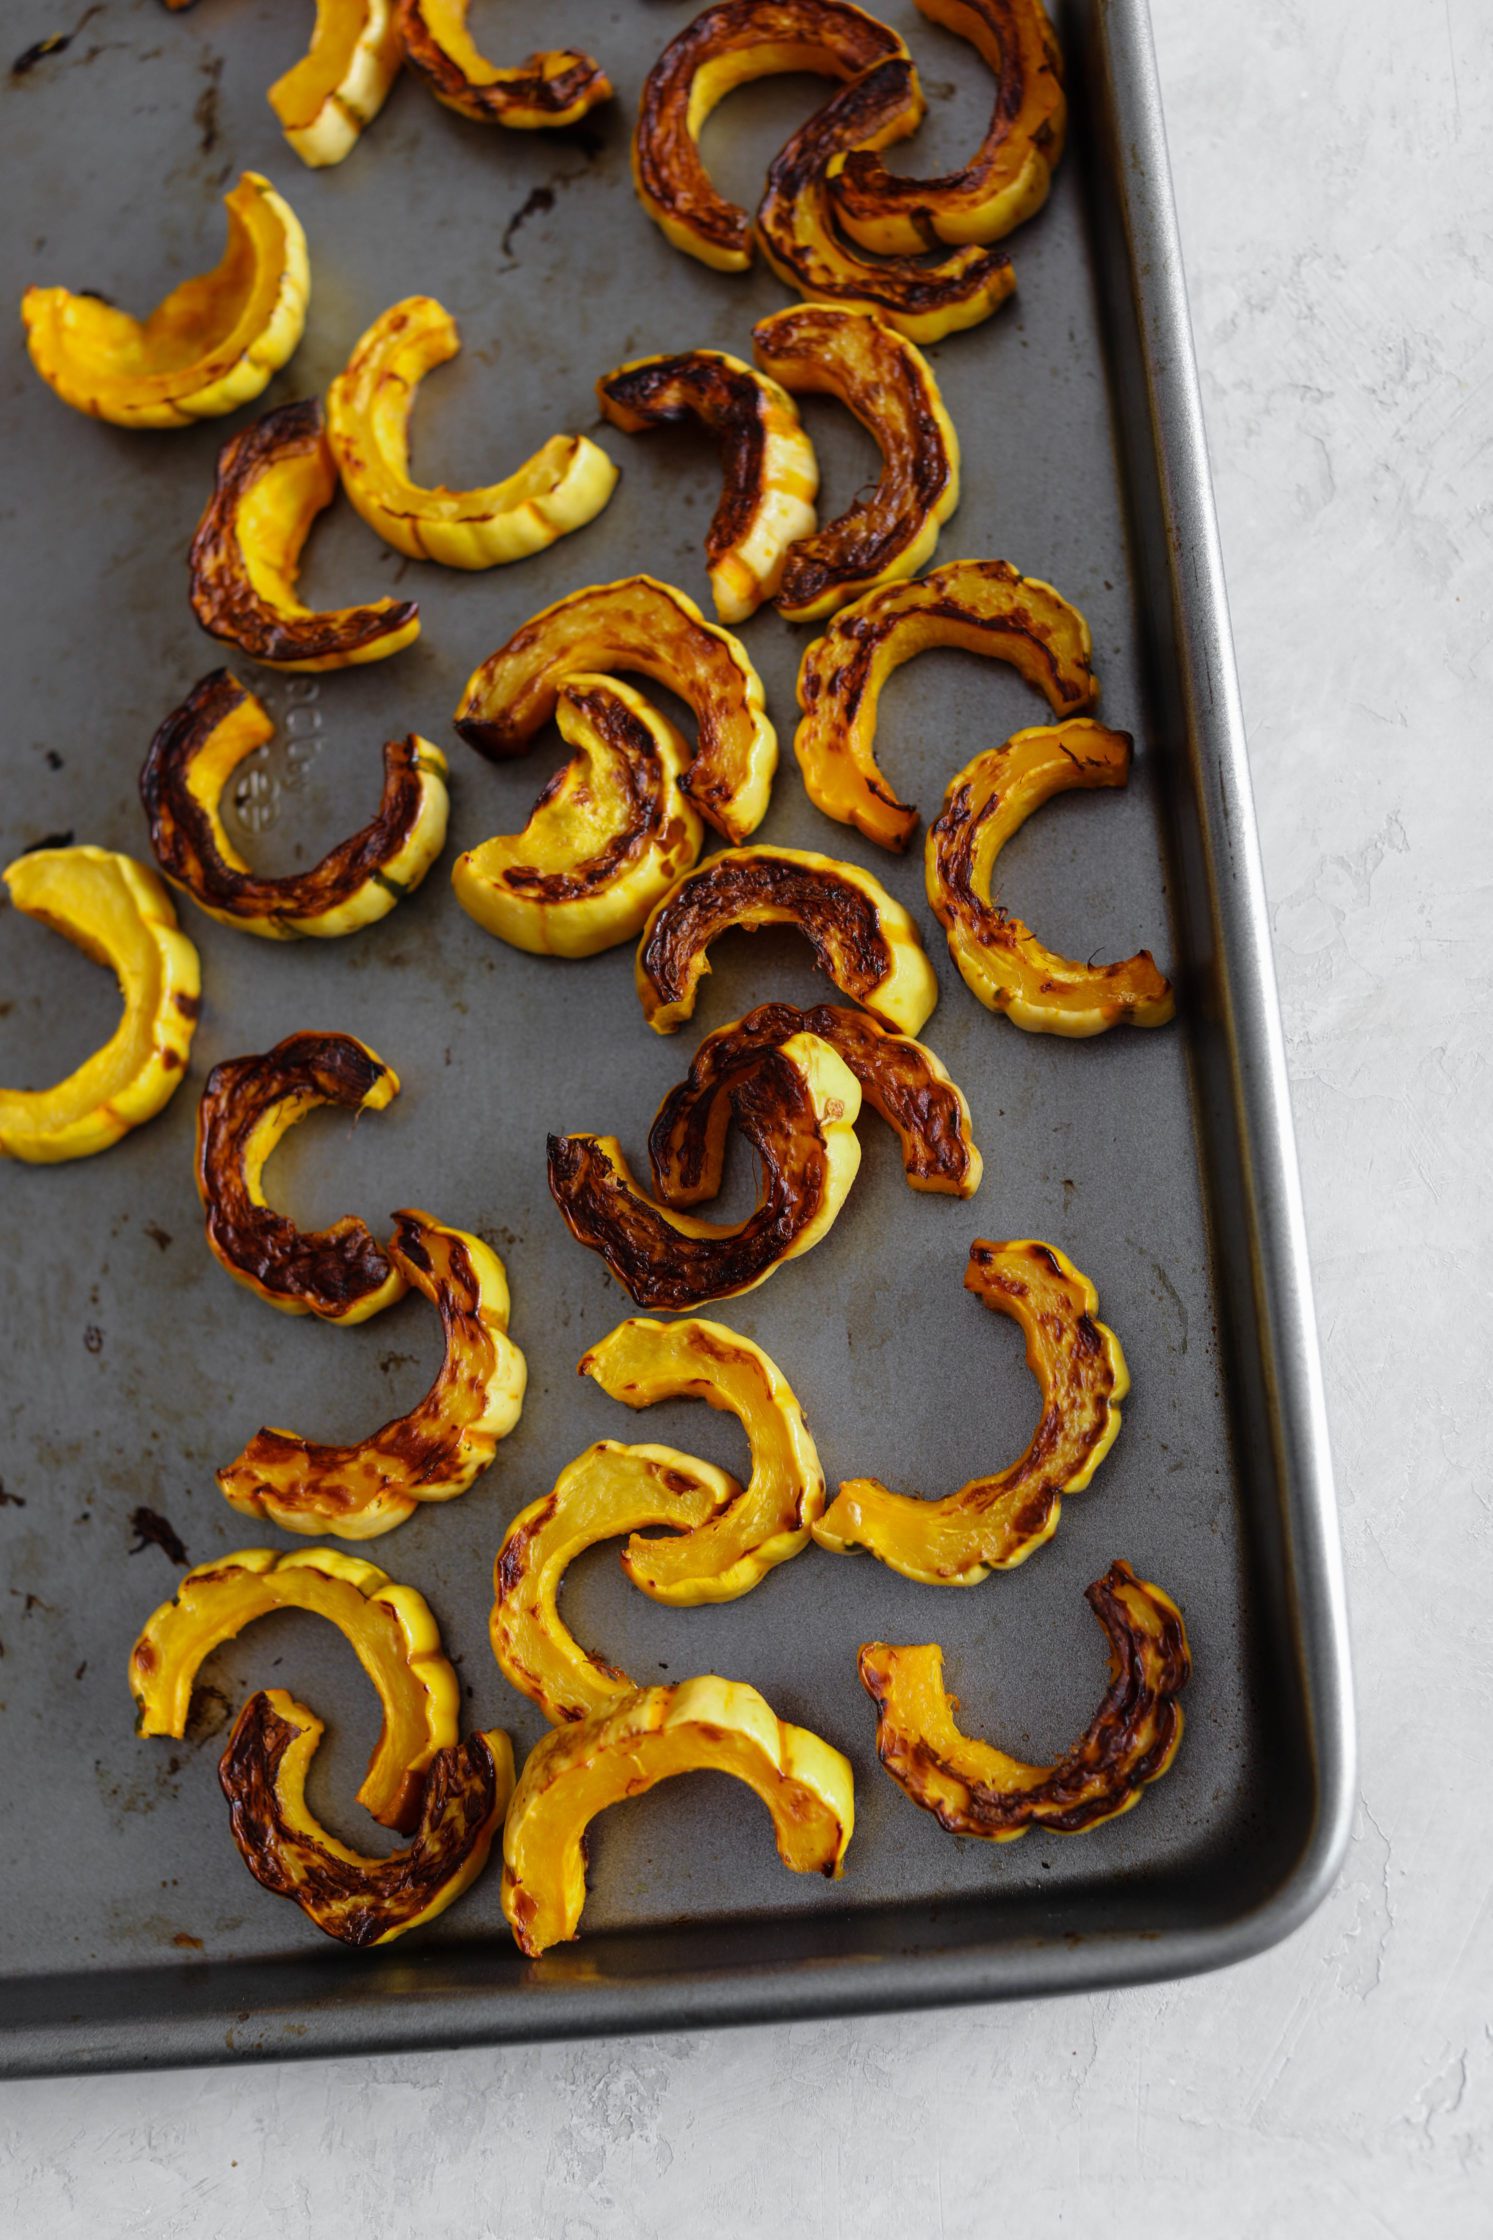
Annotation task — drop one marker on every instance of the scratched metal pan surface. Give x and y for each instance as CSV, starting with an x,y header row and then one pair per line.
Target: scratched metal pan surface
x,y
1161,1162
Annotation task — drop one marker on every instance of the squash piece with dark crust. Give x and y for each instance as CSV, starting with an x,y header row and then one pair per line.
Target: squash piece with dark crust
x,y
557,86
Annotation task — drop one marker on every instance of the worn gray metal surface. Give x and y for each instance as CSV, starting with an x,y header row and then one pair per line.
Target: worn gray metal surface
x,y
1160,1162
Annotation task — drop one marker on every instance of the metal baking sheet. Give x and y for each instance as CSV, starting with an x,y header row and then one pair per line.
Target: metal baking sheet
x,y
1162,1162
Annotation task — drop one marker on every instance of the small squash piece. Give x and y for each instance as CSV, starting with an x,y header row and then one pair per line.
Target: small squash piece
x,y
608,837
771,474
558,86
974,1789
445,1441
564,485
981,606
1001,960
357,1899
191,760
861,937
118,913
212,345
389,1627
705,1725
993,1523
342,81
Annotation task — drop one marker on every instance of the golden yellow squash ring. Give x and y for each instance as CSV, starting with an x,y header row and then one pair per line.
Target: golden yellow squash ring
x,y
342,81
558,86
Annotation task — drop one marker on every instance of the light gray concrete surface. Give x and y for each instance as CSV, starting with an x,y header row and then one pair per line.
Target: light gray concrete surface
x,y
1332,166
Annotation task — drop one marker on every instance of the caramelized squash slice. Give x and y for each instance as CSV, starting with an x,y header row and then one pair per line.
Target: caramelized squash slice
x,y
557,86
342,81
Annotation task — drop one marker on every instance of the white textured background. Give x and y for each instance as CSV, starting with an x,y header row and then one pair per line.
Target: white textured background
x,y
1333,162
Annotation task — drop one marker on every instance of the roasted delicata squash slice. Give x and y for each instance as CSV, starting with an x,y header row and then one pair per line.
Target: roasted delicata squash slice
x,y
728,45
645,627
723,1556
708,1725
1007,178
558,86
901,1079
797,1110
803,244
212,345
980,606
609,835
974,1789
771,474
994,1523
861,937
117,912
445,1441
193,756
389,1627
340,1274
606,1492
1001,960
563,486
876,373
274,477
357,1899
342,81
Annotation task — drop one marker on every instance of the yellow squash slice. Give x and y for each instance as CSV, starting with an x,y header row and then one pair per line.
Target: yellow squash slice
x,y
558,86
342,81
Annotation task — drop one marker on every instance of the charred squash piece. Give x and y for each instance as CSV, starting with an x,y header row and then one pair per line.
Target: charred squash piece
x,y
192,758
1001,960
861,937
708,1725
994,1523
212,345
1007,178
797,1110
901,1079
982,606
609,835
274,477
728,45
389,1627
447,1439
564,485
796,221
341,1274
637,625
889,385
724,1555
974,1789
118,913
607,1491
359,1900
771,474
341,82
558,86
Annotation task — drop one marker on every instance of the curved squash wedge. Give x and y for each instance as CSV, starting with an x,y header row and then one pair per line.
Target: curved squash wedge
x,y
212,345
706,1725
342,81
117,912
558,86
389,1627
974,1789
1002,962
994,1523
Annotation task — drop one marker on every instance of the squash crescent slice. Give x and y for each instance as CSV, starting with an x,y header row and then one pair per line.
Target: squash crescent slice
x,y
118,913
342,81
980,606
797,1110
861,937
564,485
974,1789
994,1523
771,474
359,1900
1002,962
341,1274
445,1441
876,373
705,1725
557,86
607,1491
212,345
389,1627
191,760
608,837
